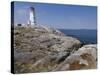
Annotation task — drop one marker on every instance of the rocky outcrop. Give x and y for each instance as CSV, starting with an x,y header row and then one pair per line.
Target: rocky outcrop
x,y
84,58
43,49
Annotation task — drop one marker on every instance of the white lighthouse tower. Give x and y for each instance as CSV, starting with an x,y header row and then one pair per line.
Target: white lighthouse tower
x,y
32,20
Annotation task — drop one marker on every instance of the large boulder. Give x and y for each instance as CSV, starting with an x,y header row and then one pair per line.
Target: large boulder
x,y
84,58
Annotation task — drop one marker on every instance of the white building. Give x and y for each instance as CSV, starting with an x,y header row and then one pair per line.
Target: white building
x,y
32,20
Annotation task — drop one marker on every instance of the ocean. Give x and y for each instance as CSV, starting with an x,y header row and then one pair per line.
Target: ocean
x,y
84,35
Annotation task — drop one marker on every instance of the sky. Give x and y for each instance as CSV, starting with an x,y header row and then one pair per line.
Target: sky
x,y
61,16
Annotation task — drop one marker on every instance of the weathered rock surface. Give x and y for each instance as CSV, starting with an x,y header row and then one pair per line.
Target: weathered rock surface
x,y
84,58
42,49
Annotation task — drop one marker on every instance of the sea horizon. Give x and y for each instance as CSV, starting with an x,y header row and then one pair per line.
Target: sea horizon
x,y
84,35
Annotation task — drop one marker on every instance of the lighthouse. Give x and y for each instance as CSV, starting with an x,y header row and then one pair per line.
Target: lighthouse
x,y
32,19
